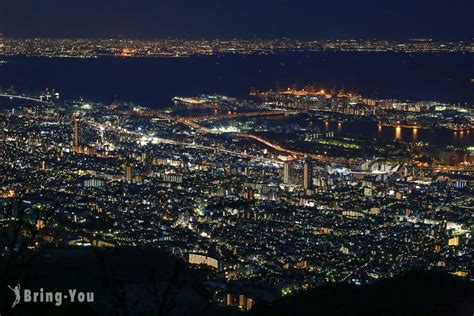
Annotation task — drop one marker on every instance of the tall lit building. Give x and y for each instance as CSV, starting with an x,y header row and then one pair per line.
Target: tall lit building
x,y
286,173
77,133
307,175
128,173
3,136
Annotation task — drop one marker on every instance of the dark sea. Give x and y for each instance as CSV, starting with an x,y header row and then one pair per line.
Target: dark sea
x,y
154,82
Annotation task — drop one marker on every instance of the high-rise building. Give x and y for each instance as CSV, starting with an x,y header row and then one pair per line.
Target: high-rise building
x,y
77,132
128,173
286,173
3,136
307,175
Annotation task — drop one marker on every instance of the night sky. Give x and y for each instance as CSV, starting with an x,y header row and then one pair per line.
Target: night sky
x,y
382,19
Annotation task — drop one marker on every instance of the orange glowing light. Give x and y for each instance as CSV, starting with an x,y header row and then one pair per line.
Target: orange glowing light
x,y
398,133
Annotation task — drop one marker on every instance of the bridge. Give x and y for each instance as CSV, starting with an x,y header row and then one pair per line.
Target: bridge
x,y
20,97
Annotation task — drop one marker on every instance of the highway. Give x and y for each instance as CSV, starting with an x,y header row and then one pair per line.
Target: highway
x,y
191,122
230,152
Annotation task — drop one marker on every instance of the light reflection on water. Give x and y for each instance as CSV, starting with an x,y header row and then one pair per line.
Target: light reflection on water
x,y
398,133
369,129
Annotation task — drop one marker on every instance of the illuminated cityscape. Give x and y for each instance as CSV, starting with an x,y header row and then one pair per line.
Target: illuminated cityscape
x,y
265,174
293,205
93,48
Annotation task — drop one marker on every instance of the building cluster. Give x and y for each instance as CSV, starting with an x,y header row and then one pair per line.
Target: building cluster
x,y
93,48
421,114
386,111
93,175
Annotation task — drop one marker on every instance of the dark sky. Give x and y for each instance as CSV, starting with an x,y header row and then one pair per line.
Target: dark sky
x,y
383,19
